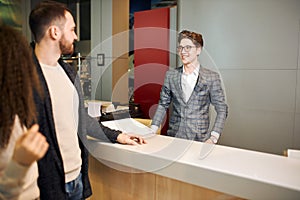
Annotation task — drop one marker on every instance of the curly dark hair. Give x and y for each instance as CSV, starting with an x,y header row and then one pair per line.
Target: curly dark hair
x,y
195,37
18,79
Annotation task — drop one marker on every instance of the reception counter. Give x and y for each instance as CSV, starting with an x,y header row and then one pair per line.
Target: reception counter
x,y
172,168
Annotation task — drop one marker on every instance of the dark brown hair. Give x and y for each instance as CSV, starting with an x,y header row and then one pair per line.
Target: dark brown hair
x,y
44,15
195,37
18,78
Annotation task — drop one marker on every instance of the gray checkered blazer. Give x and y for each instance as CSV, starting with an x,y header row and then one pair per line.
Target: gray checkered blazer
x,y
190,120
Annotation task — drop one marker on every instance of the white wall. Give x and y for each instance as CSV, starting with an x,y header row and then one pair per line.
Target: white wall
x,y
255,45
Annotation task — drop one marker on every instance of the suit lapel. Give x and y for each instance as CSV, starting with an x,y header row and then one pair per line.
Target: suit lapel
x,y
177,82
199,84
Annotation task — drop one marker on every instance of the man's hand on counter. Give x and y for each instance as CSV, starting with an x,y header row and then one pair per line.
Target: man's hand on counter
x,y
124,138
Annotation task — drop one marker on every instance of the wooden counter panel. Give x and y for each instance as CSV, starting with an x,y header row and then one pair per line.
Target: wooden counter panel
x,y
129,184
111,184
170,189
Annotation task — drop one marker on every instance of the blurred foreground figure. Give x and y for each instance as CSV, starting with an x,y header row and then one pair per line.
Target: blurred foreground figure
x,y
20,147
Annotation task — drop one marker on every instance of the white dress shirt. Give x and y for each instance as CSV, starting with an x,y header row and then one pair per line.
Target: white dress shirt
x,y
188,82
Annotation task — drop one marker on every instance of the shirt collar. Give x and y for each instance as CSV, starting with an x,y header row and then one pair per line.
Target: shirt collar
x,y
194,73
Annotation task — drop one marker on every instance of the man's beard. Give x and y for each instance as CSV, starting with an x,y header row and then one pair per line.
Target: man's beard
x,y
66,49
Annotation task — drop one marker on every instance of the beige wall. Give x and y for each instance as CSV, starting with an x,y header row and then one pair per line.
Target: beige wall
x,y
120,44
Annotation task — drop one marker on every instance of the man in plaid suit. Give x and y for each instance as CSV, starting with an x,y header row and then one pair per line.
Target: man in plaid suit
x,y
191,89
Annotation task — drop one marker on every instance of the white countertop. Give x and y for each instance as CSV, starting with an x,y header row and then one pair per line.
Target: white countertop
x,y
243,173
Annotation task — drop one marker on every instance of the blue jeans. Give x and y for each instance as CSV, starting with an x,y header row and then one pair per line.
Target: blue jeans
x,y
74,188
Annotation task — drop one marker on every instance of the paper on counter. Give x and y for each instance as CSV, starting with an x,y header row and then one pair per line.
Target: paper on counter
x,y
129,125
293,153
94,109
122,108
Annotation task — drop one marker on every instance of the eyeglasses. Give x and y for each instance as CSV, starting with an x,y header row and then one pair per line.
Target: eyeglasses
x,y
186,48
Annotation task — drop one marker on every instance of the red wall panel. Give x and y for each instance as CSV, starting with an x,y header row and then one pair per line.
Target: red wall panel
x,y
151,57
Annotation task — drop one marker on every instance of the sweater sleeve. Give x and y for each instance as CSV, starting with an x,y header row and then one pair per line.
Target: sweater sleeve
x,y
92,126
99,131
12,180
